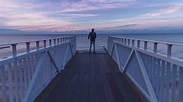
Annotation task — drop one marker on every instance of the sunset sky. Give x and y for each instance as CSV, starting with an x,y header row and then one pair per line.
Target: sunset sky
x,y
71,15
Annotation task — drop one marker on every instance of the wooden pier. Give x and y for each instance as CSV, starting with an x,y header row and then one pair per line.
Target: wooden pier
x,y
90,78
127,71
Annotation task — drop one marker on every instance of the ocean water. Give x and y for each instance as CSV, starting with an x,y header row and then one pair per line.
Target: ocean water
x,y
82,39
101,41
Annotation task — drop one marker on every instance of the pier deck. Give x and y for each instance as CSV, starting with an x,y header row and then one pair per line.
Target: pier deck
x,y
90,78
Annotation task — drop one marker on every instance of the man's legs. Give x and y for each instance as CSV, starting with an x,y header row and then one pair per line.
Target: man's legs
x,y
94,46
92,43
90,46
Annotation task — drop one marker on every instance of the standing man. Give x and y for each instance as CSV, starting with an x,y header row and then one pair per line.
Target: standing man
x,y
92,37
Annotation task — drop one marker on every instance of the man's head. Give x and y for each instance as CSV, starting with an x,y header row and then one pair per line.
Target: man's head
x,y
92,29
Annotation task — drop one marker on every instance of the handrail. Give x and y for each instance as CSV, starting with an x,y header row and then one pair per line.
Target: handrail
x,y
60,38
152,41
157,76
45,43
143,44
23,76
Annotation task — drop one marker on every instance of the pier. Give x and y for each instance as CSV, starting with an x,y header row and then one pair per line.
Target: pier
x,y
90,78
126,71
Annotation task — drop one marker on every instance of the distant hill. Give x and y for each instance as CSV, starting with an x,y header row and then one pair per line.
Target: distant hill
x,y
16,31
1,29
9,31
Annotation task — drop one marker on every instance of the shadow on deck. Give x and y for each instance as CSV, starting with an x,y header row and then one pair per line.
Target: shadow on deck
x,y
90,78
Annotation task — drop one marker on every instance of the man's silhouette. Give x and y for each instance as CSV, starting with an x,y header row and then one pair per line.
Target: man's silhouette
x,y
92,37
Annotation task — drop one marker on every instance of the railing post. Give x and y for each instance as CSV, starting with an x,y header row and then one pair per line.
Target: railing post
x,y
145,45
125,41
128,41
133,42
122,40
37,45
50,42
169,50
58,41
155,47
138,43
14,50
28,47
64,40
54,42
44,41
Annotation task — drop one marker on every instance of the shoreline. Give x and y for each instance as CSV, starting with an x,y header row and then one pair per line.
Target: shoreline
x,y
3,47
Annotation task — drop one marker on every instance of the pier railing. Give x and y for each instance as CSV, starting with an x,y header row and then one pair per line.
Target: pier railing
x,y
24,75
159,77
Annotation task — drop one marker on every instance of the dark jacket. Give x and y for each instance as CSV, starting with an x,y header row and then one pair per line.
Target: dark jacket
x,y
92,36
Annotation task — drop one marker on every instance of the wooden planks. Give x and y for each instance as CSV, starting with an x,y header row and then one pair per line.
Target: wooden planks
x,y
90,78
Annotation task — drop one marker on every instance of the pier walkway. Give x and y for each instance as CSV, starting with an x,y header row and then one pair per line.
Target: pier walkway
x,y
128,70
90,78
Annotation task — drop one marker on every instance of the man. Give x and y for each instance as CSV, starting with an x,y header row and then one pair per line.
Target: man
x,y
92,37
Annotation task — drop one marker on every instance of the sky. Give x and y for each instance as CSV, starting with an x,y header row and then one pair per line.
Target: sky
x,y
78,15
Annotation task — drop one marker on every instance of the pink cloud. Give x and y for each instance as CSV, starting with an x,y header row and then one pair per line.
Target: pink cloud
x,y
79,15
86,5
171,9
168,10
109,1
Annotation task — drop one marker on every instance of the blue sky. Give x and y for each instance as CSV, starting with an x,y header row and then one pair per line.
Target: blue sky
x,y
71,15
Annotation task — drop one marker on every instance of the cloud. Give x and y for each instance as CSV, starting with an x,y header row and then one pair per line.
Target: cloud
x,y
24,16
171,9
27,15
165,11
88,5
37,24
79,15
126,26
33,21
110,1
83,14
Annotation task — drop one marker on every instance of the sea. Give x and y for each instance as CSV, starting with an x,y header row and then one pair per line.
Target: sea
x,y
101,41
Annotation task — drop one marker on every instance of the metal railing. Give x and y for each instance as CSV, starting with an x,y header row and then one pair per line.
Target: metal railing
x,y
159,77
23,76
